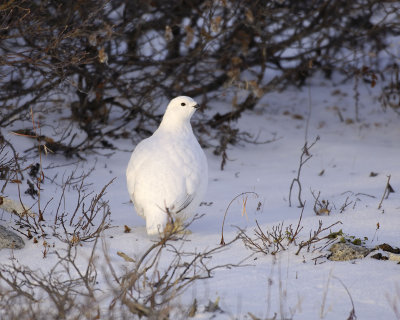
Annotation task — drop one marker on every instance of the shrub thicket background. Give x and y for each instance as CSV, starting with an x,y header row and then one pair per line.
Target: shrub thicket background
x,y
77,75
110,64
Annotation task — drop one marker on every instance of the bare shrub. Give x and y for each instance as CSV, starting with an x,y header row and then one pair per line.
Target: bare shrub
x,y
147,287
107,66
317,236
322,207
66,291
280,238
10,171
163,272
87,219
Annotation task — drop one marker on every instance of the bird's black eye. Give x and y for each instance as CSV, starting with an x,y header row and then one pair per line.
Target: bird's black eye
x,y
183,104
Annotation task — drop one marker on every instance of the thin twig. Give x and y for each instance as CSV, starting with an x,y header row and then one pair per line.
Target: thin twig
x,y
304,157
226,211
352,315
386,192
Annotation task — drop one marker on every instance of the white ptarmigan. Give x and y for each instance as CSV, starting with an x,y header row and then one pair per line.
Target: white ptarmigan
x,y
168,172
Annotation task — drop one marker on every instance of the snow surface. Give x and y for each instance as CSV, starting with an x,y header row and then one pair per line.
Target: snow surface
x,y
291,286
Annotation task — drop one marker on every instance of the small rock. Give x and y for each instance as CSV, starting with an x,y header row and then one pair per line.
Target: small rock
x,y
394,257
379,256
213,306
10,240
388,248
347,251
15,207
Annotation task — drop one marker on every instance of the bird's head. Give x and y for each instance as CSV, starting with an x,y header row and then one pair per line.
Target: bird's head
x,y
179,111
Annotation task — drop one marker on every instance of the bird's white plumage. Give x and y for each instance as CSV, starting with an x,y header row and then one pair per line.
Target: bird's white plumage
x,y
168,171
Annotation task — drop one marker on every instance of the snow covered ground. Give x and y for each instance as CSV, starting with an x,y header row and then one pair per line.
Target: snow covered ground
x,y
304,286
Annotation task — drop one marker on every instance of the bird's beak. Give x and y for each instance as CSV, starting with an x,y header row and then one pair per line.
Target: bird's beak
x,y
196,106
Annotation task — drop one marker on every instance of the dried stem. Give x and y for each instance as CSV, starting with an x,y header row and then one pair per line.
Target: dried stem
x,y
226,212
386,192
304,157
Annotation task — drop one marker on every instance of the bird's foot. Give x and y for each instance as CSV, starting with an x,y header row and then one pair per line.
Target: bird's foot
x,y
176,227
